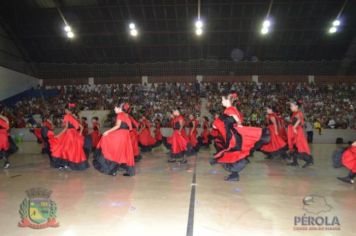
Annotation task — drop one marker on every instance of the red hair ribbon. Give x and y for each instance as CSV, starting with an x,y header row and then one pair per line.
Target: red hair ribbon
x,y
126,106
71,105
234,95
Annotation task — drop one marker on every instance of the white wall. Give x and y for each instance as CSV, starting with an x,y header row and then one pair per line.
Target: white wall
x,y
12,82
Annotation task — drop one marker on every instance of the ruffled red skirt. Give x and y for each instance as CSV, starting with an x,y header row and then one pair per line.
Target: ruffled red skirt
x,y
117,147
250,136
205,136
276,142
297,140
193,139
349,159
134,142
95,138
179,143
4,140
68,149
145,138
158,135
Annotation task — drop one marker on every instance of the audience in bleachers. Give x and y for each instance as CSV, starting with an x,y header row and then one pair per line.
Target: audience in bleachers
x,y
333,106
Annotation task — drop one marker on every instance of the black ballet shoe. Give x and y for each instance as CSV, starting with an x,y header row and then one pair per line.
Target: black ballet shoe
x,y
172,160
128,174
309,163
346,179
213,162
293,164
232,177
184,161
6,165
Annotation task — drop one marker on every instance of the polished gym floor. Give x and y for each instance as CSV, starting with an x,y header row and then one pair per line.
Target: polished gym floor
x,y
172,199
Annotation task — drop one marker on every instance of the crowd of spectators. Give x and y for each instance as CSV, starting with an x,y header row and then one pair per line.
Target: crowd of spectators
x,y
333,106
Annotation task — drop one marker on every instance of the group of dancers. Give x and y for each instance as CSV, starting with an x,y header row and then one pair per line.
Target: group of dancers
x,y
120,147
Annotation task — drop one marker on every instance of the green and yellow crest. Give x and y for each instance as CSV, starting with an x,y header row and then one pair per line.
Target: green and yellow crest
x,y
38,211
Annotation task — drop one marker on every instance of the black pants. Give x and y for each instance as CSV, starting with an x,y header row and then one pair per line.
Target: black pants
x,y
310,135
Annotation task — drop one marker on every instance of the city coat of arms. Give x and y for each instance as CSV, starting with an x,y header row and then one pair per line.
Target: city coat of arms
x,y
38,211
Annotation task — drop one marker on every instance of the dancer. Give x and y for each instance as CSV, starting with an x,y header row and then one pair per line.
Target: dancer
x,y
37,132
193,131
239,141
115,148
68,147
48,138
146,141
177,143
158,133
204,137
298,145
347,157
134,137
277,146
95,134
85,126
218,138
4,139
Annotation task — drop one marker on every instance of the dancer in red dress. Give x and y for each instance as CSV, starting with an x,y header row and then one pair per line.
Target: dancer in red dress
x,y
115,148
298,145
177,143
134,138
277,146
95,134
193,131
282,128
68,148
204,137
347,158
239,140
146,140
158,133
217,125
84,123
4,139
37,132
48,137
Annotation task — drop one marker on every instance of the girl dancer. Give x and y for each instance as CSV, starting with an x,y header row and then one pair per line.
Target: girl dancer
x,y
239,141
68,148
158,134
298,145
277,146
134,137
48,137
347,157
218,124
204,139
85,126
95,134
177,143
4,139
193,126
146,141
115,147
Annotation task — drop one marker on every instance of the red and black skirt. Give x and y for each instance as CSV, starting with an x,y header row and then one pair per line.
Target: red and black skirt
x,y
68,150
146,140
297,143
276,146
114,150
